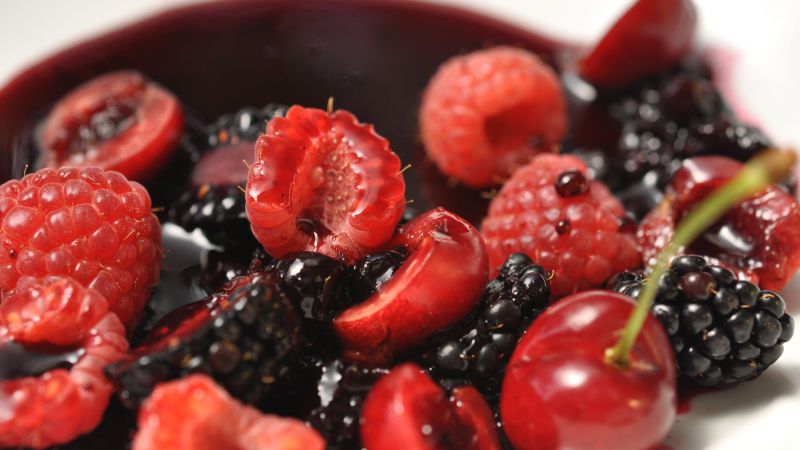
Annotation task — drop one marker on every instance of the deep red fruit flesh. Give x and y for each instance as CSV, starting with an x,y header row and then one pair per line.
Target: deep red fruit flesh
x,y
119,121
437,286
648,39
61,404
406,410
224,166
323,182
194,413
488,112
559,391
758,239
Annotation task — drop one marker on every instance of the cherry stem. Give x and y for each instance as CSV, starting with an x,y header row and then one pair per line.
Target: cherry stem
x,y
769,166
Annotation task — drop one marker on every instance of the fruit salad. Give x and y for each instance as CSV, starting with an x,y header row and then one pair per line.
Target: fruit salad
x,y
557,273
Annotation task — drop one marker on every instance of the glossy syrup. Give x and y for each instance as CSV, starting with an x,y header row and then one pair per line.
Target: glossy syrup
x,y
19,360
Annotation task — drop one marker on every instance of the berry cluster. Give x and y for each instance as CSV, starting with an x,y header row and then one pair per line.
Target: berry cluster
x,y
312,291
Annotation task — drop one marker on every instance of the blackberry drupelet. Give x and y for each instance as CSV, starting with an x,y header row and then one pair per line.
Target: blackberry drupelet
x,y
317,286
339,394
247,337
723,330
374,270
478,349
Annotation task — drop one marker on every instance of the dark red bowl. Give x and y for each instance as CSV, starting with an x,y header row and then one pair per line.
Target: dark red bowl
x,y
373,57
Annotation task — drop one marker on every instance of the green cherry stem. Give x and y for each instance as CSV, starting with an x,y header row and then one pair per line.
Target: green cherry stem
x,y
768,167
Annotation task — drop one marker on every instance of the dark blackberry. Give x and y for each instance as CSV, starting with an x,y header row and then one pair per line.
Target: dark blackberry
x,y
243,125
317,286
338,395
723,330
478,349
374,270
247,337
218,211
214,203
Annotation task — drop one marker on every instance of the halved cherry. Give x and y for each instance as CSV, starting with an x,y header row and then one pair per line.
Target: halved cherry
x,y
648,39
758,239
118,121
406,410
438,285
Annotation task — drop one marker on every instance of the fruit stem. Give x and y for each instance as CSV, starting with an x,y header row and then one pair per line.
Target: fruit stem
x,y
769,166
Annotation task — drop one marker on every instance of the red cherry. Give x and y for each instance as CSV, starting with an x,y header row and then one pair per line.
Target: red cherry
x,y
648,39
119,121
438,285
560,392
758,238
406,410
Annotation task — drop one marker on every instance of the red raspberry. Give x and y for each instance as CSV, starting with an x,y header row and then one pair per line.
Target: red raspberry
x,y
118,121
563,220
488,112
194,413
323,182
92,225
60,404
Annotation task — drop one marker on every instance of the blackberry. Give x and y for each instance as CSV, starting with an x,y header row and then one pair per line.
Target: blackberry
x,y
247,337
723,330
478,349
243,125
214,201
317,286
216,210
374,270
339,392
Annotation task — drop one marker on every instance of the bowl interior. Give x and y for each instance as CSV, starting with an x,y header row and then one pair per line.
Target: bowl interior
x,y
373,57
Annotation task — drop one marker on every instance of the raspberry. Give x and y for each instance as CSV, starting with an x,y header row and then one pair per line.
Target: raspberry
x,y
119,121
488,112
323,182
563,220
723,330
195,414
247,337
52,387
92,225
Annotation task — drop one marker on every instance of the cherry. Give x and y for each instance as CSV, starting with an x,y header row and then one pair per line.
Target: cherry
x,y
119,121
407,410
561,392
584,376
438,285
648,39
758,238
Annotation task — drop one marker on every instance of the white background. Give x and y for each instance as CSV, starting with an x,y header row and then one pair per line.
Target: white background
x,y
765,38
